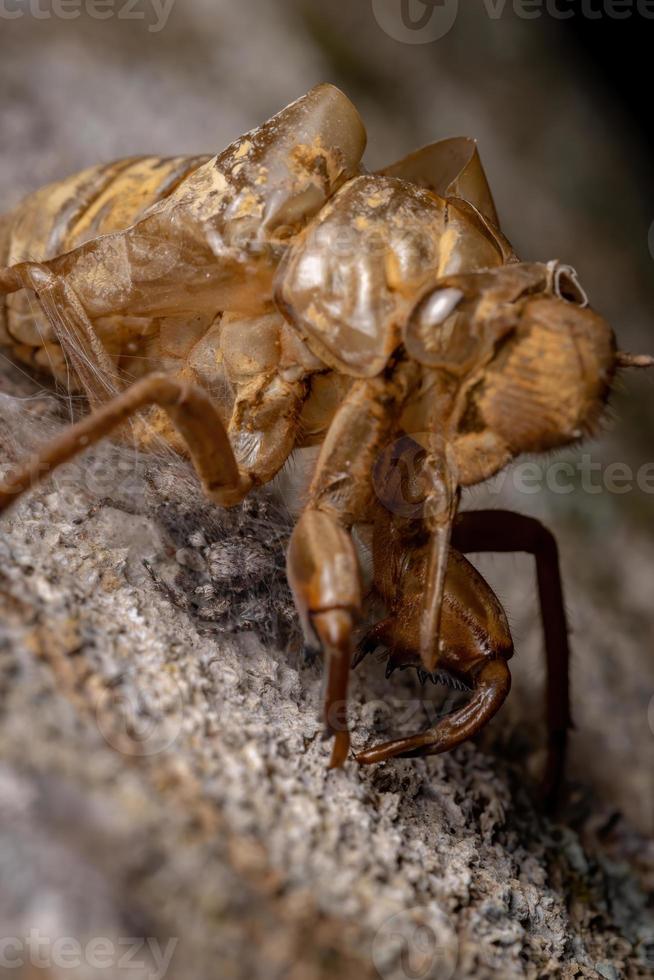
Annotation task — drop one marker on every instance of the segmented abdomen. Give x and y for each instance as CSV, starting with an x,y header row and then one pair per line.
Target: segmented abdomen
x,y
61,216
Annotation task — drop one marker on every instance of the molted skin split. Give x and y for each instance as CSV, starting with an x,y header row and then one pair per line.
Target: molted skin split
x,y
449,168
276,296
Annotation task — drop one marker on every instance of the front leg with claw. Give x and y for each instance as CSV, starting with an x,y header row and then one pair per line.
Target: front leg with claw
x,y
322,564
475,643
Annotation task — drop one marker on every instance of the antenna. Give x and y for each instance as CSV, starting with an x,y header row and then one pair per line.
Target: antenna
x,y
624,359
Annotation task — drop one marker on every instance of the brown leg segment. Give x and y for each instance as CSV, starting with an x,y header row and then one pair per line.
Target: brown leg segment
x,y
323,572
492,686
476,640
71,325
322,564
192,412
504,531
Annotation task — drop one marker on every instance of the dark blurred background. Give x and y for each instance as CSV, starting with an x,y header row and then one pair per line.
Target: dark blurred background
x,y
562,112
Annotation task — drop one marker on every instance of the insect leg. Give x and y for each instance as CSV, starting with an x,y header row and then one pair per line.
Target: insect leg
x,y
193,414
492,686
264,425
71,325
503,531
322,565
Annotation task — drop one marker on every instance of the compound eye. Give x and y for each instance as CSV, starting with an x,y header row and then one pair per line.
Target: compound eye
x,y
440,305
566,285
426,335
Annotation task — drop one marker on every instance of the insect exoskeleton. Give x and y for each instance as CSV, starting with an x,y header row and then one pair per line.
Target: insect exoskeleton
x,y
279,295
